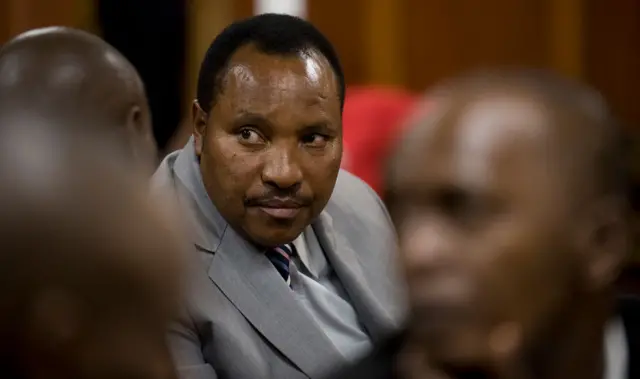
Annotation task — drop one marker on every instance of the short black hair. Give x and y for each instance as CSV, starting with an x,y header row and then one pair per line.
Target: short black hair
x,y
274,34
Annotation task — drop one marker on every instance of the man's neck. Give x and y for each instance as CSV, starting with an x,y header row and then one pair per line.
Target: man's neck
x,y
576,348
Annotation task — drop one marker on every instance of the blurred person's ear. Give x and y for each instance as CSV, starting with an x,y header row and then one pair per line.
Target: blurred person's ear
x,y
603,236
134,120
140,139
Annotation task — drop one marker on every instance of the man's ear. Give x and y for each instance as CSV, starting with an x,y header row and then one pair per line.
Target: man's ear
x,y
139,134
134,120
606,242
199,122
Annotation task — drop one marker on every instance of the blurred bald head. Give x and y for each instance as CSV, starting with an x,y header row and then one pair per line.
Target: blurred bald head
x,y
509,198
68,74
89,264
576,121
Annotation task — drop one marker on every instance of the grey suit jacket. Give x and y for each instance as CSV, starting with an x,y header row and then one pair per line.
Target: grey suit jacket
x,y
240,320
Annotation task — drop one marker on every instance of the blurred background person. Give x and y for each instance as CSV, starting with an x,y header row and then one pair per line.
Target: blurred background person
x,y
371,122
65,74
89,268
509,196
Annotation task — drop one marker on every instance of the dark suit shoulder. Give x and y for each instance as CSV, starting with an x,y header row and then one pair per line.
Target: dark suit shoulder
x,y
629,311
629,308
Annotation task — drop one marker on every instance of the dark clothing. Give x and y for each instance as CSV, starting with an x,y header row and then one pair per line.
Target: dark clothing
x,y
152,35
629,310
380,364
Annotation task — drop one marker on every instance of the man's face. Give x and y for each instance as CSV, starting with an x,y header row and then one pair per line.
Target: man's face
x,y
483,223
271,146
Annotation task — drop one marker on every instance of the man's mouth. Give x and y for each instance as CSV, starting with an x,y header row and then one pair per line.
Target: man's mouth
x,y
281,213
280,207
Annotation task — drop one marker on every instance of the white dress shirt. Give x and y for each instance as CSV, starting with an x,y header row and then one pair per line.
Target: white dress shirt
x,y
319,291
616,352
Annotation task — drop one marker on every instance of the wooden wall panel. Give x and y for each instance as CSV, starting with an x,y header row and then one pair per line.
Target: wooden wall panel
x,y
567,37
415,43
612,53
448,37
418,42
242,9
343,23
5,28
384,42
17,16
206,19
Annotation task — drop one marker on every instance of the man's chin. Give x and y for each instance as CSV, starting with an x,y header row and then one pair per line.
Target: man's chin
x,y
272,236
453,342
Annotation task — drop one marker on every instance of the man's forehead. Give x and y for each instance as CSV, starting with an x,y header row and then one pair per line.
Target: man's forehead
x,y
494,123
249,67
467,139
269,90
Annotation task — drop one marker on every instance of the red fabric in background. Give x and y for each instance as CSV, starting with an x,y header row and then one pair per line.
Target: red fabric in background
x,y
371,121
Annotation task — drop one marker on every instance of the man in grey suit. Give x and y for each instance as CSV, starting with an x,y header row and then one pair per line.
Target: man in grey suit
x,y
295,271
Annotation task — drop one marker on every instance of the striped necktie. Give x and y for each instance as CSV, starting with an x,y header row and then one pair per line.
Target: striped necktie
x,y
280,257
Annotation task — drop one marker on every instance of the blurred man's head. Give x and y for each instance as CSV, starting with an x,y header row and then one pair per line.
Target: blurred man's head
x,y
89,265
509,201
65,74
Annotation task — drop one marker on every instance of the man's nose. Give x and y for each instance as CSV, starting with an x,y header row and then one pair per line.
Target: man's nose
x,y
426,245
282,169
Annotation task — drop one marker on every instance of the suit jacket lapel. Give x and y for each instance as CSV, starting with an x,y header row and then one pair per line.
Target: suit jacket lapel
x,y
251,283
364,290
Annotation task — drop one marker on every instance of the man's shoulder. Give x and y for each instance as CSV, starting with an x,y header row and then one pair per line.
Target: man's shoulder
x,y
629,310
163,177
358,212
354,196
348,182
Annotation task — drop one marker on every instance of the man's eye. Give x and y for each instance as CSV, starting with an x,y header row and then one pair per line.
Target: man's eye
x,y
315,140
249,136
